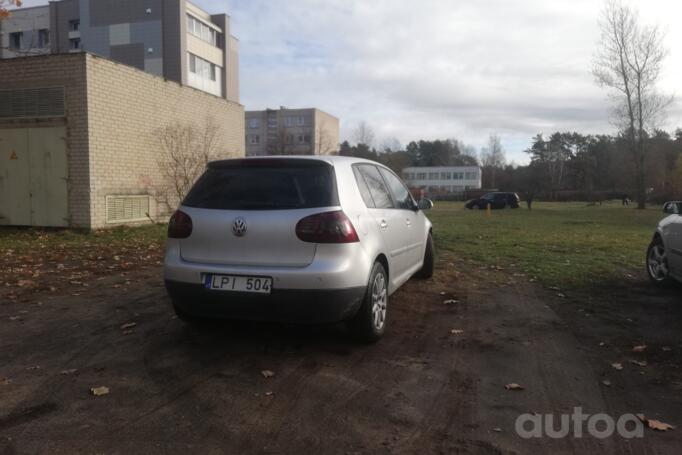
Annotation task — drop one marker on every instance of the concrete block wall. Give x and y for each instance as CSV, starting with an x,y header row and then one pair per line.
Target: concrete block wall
x,y
127,108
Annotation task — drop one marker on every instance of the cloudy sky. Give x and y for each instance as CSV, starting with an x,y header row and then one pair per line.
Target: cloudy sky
x,y
437,68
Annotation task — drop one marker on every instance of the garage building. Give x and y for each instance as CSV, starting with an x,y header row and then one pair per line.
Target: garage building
x,y
79,139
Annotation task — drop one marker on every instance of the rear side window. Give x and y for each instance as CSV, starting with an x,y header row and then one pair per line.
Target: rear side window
x,y
401,195
364,189
278,184
377,187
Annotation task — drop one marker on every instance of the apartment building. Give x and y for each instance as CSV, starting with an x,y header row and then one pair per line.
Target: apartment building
x,y
442,180
291,132
173,39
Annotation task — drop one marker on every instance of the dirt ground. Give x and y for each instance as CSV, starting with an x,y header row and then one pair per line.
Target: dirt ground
x,y
422,389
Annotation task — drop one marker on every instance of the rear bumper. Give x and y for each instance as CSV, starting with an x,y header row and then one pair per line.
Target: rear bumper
x,y
282,305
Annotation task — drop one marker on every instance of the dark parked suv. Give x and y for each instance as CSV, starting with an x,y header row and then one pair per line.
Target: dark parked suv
x,y
496,201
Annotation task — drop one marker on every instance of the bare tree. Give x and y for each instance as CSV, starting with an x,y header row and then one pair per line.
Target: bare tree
x,y
280,142
324,142
493,157
629,61
185,150
364,134
4,7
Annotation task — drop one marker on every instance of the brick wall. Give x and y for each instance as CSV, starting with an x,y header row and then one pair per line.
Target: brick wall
x,y
127,109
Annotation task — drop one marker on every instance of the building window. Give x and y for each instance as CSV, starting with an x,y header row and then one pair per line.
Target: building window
x,y
204,75
254,139
272,122
304,139
15,40
74,44
74,25
43,38
202,31
289,121
301,121
254,123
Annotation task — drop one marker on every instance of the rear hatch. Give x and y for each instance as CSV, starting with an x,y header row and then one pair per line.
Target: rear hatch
x,y
244,212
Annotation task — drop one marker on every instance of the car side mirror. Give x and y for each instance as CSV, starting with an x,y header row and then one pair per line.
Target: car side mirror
x,y
672,208
425,204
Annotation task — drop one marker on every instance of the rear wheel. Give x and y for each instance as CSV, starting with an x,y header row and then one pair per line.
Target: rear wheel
x,y
429,258
369,324
657,263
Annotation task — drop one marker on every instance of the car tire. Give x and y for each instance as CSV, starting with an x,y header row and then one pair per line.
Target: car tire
x,y
657,263
369,323
429,259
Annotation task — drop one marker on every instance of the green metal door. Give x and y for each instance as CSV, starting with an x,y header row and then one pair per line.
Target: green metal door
x,y
33,172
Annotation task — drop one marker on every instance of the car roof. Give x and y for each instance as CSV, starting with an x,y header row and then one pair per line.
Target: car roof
x,y
331,159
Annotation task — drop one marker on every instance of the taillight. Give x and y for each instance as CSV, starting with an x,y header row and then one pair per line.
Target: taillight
x,y
327,227
179,226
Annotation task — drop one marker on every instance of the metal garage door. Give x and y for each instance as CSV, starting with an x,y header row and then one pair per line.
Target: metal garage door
x,y
33,174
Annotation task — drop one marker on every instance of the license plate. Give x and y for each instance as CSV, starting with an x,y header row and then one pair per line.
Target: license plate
x,y
256,284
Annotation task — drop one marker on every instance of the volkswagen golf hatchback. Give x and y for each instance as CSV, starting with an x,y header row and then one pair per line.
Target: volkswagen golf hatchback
x,y
297,239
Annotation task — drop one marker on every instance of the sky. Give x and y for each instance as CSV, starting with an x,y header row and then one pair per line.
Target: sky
x,y
433,69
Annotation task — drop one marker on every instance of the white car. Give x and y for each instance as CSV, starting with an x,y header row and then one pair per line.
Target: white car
x,y
664,257
299,239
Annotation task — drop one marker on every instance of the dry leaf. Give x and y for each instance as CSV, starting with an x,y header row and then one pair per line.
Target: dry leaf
x,y
128,325
640,348
659,426
70,371
641,363
449,302
514,386
4,381
617,365
666,349
655,424
456,331
267,373
99,391
497,429
269,394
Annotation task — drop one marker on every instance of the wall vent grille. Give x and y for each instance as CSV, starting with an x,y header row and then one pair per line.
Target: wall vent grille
x,y
32,102
127,208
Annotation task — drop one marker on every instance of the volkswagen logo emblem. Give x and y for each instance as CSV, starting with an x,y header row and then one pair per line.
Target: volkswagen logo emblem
x,y
239,227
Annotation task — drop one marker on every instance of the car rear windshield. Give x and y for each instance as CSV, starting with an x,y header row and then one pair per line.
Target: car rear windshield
x,y
264,184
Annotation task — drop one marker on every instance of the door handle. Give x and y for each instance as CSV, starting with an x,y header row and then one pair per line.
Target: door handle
x,y
383,224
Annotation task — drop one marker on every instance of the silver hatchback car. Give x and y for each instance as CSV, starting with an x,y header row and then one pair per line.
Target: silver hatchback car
x,y
664,256
297,239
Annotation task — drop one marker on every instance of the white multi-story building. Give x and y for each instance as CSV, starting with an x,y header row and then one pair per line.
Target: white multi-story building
x,y
443,179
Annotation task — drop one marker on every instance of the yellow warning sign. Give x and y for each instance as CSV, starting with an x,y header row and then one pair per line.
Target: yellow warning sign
x,y
13,156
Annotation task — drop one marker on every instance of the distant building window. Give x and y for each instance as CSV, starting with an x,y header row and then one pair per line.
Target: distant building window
x,y
300,121
74,25
272,122
254,139
304,138
43,38
202,31
289,121
16,40
254,123
74,44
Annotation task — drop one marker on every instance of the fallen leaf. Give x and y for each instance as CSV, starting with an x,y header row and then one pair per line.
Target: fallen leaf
x,y
640,348
69,371
4,381
606,382
497,429
267,373
666,349
442,293
456,331
655,424
449,302
34,367
128,325
99,391
617,365
559,294
602,343
641,363
514,386
269,394
659,426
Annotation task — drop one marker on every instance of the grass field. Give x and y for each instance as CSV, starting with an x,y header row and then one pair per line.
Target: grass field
x,y
570,245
